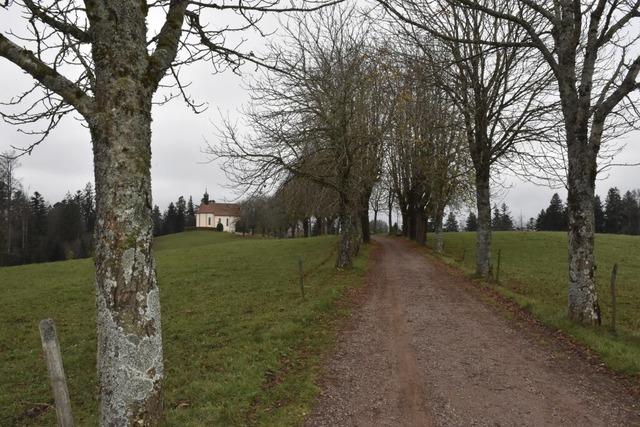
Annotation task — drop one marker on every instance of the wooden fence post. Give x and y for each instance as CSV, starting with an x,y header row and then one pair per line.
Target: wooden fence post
x,y
614,276
464,253
301,270
498,270
58,380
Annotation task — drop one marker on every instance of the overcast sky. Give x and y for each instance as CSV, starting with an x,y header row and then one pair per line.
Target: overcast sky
x,y
64,161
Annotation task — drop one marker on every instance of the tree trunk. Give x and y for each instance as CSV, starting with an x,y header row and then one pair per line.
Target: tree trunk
x,y
356,237
305,226
390,214
130,362
364,225
364,216
9,214
130,365
405,224
439,234
483,234
421,227
412,219
347,241
583,299
375,221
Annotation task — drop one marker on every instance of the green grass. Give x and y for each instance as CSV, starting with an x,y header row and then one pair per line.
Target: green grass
x,y
534,273
241,346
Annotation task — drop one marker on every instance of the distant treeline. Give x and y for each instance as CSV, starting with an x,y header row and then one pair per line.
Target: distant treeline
x,y
177,216
620,214
501,220
34,230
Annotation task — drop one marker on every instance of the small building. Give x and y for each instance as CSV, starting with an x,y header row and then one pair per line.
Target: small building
x,y
209,215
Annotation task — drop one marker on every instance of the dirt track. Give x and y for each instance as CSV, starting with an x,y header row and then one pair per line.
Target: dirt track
x,y
421,350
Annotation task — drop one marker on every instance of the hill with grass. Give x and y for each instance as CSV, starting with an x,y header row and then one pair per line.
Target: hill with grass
x,y
533,273
241,344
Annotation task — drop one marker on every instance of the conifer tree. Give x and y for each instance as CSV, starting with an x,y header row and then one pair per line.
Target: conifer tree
x,y
191,213
472,222
629,213
88,208
169,221
452,223
156,216
506,222
496,220
613,211
541,221
38,229
181,214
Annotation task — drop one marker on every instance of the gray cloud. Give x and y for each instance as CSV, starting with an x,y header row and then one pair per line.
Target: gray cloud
x,y
64,162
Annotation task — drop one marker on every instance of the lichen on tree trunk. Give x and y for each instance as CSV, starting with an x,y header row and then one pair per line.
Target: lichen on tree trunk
x,y
130,363
582,296
348,244
439,232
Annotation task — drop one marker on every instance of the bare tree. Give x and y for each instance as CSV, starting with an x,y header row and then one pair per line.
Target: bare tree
x,y
408,150
8,186
101,60
592,49
376,117
427,153
316,121
449,169
496,86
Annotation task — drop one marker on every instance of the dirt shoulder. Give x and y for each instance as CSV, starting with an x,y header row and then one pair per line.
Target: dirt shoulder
x,y
423,350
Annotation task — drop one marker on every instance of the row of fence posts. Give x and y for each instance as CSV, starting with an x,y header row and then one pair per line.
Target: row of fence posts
x,y
612,285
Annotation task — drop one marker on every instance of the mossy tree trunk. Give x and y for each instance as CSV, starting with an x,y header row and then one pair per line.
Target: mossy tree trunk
x,y
438,219
583,304
348,241
130,360
420,221
364,215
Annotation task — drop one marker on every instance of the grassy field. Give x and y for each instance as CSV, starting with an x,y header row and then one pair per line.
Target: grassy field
x,y
241,346
534,273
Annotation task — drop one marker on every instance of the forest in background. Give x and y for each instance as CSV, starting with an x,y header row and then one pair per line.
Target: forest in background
x,y
34,229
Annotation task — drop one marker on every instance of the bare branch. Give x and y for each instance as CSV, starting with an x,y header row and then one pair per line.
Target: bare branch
x,y
168,41
64,27
47,76
240,6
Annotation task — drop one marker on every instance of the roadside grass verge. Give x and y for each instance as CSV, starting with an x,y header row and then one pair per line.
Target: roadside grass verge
x,y
241,346
534,274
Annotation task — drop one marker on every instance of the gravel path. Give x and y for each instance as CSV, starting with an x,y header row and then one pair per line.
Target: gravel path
x,y
421,350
